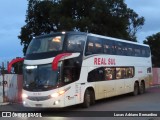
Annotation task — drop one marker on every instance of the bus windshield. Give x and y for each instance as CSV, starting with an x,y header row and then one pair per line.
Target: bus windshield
x,y
40,77
46,44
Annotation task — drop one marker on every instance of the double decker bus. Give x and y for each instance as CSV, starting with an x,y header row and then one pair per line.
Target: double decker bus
x,y
68,68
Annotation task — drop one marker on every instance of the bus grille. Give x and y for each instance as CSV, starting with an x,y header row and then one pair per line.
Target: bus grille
x,y
41,98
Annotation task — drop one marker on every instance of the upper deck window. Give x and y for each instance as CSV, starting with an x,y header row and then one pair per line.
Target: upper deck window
x,y
46,44
75,43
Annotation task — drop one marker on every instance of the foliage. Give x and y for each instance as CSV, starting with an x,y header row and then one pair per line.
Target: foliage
x,y
105,17
154,43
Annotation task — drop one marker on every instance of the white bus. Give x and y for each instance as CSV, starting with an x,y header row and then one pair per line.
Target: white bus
x,y
68,68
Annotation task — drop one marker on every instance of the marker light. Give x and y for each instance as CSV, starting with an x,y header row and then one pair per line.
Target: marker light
x,y
24,95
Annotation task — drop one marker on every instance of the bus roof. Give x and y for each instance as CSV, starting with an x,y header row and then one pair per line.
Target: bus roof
x,y
94,35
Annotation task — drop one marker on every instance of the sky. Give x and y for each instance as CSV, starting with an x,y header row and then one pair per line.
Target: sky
x,y
13,14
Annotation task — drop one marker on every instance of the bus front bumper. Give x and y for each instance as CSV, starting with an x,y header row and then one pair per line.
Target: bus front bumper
x,y
50,103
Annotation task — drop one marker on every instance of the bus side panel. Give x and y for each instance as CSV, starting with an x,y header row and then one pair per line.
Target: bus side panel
x,y
120,87
110,85
129,85
101,89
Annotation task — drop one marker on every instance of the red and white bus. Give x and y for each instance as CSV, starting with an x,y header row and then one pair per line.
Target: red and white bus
x,y
68,68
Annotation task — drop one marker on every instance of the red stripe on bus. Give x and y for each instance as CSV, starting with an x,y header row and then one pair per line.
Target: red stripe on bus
x,y
58,58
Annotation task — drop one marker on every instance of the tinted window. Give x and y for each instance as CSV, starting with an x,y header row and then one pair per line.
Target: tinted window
x,y
97,45
90,47
94,46
147,52
119,48
130,51
137,50
108,46
110,73
96,75
46,44
75,43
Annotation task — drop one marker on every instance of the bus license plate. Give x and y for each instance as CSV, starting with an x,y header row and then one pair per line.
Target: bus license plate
x,y
38,105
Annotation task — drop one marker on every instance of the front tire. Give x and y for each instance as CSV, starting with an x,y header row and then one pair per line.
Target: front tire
x,y
92,97
87,99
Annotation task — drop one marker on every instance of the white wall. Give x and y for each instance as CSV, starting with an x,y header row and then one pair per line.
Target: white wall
x,y
11,88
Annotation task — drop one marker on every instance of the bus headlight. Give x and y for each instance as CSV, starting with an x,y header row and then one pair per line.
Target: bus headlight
x,y
24,95
61,92
54,95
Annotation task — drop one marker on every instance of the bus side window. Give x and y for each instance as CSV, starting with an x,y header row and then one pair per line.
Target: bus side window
x,y
108,47
91,76
137,51
75,43
110,73
129,72
143,52
98,46
147,52
124,49
119,48
90,48
96,75
130,51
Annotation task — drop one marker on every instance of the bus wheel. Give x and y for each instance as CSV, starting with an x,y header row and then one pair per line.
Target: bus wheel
x,y
92,97
142,88
87,99
136,89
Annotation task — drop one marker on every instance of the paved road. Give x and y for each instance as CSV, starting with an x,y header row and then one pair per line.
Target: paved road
x,y
150,102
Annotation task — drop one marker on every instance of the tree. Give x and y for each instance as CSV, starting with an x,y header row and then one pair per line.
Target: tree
x,y
154,43
105,17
